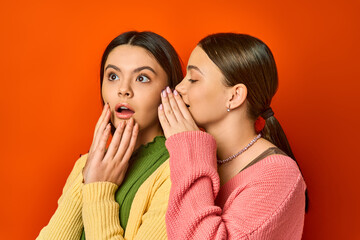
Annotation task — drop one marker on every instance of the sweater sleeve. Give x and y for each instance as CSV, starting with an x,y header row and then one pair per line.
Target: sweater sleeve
x,y
66,223
268,207
147,217
101,212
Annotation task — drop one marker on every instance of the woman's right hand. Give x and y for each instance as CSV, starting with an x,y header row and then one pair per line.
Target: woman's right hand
x,y
110,165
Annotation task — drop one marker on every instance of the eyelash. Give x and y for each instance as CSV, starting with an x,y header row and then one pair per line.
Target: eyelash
x,y
111,74
192,80
141,75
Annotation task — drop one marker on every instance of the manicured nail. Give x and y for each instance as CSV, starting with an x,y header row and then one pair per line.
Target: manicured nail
x,y
163,93
168,89
175,92
161,106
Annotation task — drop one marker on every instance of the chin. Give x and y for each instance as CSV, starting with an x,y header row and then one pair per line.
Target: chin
x,y
117,122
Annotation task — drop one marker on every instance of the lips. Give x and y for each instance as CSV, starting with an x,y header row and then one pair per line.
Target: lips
x,y
123,111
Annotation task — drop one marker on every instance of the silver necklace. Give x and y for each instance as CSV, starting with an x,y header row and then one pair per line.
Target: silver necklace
x,y
241,151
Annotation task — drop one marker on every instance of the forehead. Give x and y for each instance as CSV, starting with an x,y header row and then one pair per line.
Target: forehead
x,y
201,60
131,57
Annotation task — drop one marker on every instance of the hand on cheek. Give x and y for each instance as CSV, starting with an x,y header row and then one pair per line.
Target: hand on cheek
x,y
173,114
110,165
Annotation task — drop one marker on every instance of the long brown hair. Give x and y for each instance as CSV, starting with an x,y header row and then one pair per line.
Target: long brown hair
x,y
247,60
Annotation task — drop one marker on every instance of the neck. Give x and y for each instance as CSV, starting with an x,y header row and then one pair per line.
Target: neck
x,y
232,134
147,135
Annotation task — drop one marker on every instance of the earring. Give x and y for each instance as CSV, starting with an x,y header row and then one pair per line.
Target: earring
x,y
228,109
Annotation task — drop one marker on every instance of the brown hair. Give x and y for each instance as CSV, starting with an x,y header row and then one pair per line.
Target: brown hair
x,y
247,60
159,47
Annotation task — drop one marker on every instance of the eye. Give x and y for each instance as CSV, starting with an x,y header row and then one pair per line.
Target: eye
x,y
143,78
192,80
113,77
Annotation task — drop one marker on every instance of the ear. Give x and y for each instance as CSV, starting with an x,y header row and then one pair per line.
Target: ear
x,y
238,95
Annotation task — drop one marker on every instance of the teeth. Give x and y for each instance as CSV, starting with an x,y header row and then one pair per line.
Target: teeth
x,y
123,108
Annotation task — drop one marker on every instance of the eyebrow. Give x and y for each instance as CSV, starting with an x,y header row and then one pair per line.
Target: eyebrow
x,y
190,67
144,67
136,70
113,66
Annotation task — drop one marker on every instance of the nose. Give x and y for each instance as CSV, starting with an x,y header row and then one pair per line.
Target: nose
x,y
181,87
124,89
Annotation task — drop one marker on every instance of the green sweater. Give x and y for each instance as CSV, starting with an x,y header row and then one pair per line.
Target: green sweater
x,y
144,161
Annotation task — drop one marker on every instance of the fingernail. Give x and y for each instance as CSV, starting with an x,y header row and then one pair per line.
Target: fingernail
x,y
175,92
161,106
163,93
168,89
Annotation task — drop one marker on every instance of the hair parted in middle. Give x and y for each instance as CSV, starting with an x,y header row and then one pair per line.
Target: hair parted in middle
x,y
159,47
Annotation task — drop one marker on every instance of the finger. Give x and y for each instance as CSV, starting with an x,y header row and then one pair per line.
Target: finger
x,y
174,105
103,113
162,118
182,106
101,128
125,140
99,151
132,144
167,108
115,141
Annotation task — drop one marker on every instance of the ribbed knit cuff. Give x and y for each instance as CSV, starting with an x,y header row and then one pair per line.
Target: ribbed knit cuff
x,y
192,155
99,191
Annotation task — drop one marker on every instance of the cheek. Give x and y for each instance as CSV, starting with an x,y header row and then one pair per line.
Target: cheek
x,y
149,103
206,106
105,93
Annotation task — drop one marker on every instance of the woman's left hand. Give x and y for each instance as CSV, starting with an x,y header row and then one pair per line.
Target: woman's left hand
x,y
174,116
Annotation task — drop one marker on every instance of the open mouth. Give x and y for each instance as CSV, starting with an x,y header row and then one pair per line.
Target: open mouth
x,y
124,111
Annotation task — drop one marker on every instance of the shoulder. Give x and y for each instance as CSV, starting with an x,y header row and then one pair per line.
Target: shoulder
x,y
277,167
267,195
275,173
276,177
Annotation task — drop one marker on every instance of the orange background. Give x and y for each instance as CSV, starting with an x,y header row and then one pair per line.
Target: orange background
x,y
50,101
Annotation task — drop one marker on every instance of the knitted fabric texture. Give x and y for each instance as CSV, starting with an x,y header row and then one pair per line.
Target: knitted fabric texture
x,y
265,201
93,206
144,161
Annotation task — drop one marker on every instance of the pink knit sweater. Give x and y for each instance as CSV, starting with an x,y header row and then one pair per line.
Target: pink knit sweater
x,y
265,201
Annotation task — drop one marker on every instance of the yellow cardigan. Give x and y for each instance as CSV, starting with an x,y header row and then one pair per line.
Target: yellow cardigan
x,y
94,207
